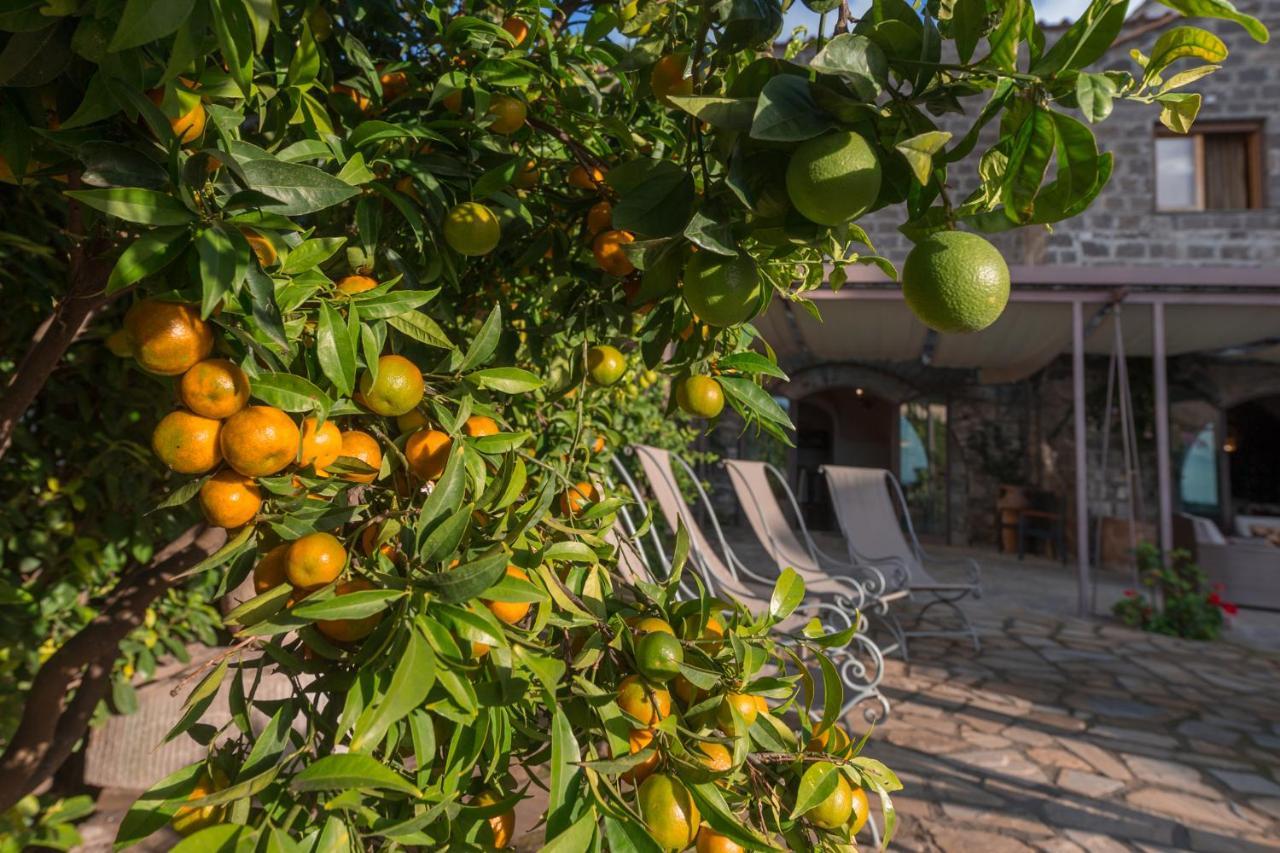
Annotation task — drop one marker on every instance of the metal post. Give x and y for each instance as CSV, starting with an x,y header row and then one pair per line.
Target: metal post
x,y
1163,474
1082,457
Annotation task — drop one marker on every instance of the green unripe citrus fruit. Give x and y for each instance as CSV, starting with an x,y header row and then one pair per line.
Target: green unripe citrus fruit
x,y
833,178
472,229
397,390
700,396
669,812
722,291
658,656
955,281
605,365
835,810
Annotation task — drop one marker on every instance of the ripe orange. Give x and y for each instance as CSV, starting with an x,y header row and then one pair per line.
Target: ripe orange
x,y
411,420
710,841
120,344
597,446
230,499
187,443
700,396
832,739
762,704
649,705
259,440
638,740
711,637
369,539
510,612
669,812
361,100
394,84
214,388
861,811
315,560
270,571
716,757
599,218
526,176
398,389
320,447
649,624
605,365
575,500
501,826
582,179
667,78
187,116
362,446
686,692
746,707
188,819
610,257
453,101
479,425
517,28
427,451
263,249
353,284
350,630
168,338
509,114
832,812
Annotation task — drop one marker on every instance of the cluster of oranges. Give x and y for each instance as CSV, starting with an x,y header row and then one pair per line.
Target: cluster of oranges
x,y
307,564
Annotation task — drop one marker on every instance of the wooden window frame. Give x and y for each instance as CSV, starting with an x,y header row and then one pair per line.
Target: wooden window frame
x,y
1252,129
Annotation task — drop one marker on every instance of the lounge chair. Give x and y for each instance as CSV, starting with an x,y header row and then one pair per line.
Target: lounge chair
x,y
725,577
750,482
867,504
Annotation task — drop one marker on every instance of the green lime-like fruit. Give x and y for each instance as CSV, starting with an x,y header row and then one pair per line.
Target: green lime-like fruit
x,y
833,178
472,229
658,656
835,810
955,281
605,365
397,390
700,396
669,812
722,291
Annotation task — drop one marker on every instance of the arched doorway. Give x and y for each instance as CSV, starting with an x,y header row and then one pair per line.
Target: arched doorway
x,y
1254,455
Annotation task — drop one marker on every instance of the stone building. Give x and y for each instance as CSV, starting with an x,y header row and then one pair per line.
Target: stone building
x,y
1187,229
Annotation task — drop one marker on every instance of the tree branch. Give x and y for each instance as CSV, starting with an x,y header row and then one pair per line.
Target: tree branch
x,y
53,720
842,20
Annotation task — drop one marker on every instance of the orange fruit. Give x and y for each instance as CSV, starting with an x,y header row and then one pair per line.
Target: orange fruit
x,y
510,612
832,812
230,499
369,540
582,179
398,389
669,812
362,446
685,691
650,624
700,396
638,740
394,84
357,97
472,229
168,337
861,811
353,284
610,257
517,28
120,344
710,841
605,364
188,819
647,704
187,116
716,757
509,114
597,446
599,217
453,101
501,826
350,630
187,443
526,176
259,441
404,184
411,420
269,573
746,707
762,704
479,425
320,446
214,388
833,739
427,451
575,500
315,560
658,656
263,249
667,78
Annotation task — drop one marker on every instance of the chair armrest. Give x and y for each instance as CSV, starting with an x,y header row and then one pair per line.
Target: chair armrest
x,y
970,565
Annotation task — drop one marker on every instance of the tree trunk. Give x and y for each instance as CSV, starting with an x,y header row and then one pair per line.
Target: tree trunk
x,y
53,718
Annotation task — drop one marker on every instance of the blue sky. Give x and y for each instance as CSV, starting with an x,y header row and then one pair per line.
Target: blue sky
x,y
1047,10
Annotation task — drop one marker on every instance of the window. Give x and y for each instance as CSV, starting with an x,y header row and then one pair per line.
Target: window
x,y
1217,166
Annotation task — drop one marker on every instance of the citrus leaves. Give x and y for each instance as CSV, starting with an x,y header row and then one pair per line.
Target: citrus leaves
x,y
294,188
146,207
1222,9
786,112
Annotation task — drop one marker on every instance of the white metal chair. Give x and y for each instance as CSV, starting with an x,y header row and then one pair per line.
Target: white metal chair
x,y
867,503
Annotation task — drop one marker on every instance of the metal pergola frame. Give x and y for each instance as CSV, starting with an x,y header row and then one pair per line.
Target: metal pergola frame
x,y
1099,288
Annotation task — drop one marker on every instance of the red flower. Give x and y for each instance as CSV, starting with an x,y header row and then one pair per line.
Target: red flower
x,y
1129,593
1230,609
1214,598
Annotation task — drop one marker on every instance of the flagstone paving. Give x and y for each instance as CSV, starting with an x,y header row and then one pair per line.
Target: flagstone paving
x,y
1070,735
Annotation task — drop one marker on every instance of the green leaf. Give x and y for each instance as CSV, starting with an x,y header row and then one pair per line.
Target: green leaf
x,y
625,835
1007,35
350,771
219,838
570,550
310,254
857,60
352,605
1033,146
147,255
788,592
420,327
919,151
287,391
1223,10
1094,94
376,130
297,189
660,204
752,363
968,21
131,204
336,349
724,113
507,380
485,343
786,111
444,538
577,837
224,261
1180,43
818,782
414,676
304,65
1087,40
755,399
145,21
234,32
199,700
565,757
720,817
393,304
1178,110
465,582
497,178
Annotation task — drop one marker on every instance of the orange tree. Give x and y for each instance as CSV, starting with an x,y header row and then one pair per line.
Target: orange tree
x,y
388,260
